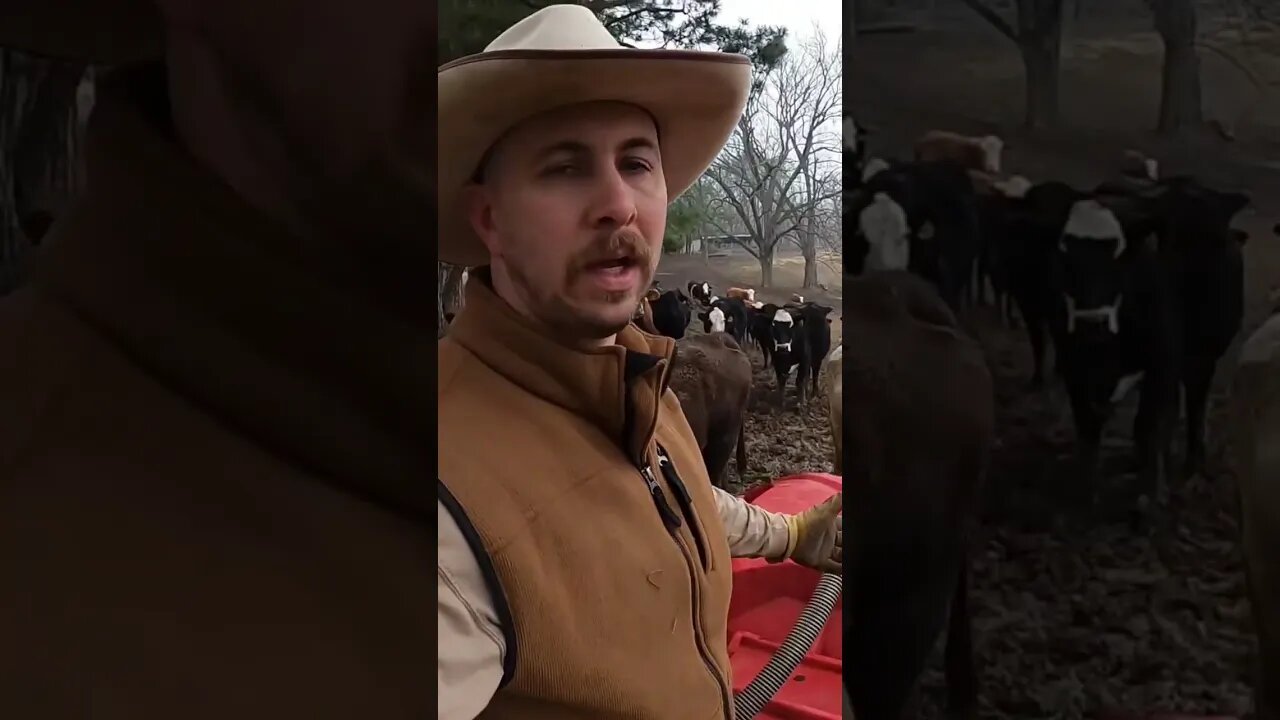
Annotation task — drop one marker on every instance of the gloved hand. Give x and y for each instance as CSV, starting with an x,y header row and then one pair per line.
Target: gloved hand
x,y
817,536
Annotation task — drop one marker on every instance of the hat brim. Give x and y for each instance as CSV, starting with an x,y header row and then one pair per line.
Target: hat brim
x,y
695,97
102,32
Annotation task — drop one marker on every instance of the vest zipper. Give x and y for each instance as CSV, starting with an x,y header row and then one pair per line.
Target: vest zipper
x,y
672,523
685,501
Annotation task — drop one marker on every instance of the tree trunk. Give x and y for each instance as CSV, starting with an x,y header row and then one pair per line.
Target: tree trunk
x,y
810,252
1041,60
766,268
1181,104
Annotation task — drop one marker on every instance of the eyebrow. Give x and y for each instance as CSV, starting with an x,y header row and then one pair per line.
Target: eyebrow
x,y
576,147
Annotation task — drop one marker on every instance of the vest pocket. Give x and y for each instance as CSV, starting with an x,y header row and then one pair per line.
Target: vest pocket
x,y
685,501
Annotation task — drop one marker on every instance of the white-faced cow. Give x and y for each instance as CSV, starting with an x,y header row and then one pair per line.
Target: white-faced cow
x,y
1254,429
1146,287
790,350
700,291
733,313
712,377
938,203
915,452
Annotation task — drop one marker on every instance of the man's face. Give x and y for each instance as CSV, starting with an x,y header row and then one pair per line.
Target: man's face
x,y
572,208
334,100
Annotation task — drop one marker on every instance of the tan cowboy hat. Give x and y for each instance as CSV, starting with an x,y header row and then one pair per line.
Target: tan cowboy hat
x,y
562,55
106,32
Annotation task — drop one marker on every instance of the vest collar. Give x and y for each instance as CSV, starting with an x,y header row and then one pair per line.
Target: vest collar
x,y
618,387
237,316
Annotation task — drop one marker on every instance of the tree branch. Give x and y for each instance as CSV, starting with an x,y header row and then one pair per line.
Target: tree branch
x,y
992,17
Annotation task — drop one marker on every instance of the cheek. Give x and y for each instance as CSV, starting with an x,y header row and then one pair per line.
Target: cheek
x,y
651,216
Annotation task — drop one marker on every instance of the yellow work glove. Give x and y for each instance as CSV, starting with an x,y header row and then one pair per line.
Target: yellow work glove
x,y
816,536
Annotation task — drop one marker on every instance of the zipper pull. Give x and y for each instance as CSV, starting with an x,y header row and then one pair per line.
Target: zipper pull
x,y
669,518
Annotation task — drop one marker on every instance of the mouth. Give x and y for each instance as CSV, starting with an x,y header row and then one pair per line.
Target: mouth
x,y
614,274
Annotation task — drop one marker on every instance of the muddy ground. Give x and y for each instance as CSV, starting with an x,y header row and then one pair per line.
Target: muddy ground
x,y
1077,609
779,442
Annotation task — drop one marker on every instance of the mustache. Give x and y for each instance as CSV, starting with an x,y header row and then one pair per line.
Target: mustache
x,y
623,241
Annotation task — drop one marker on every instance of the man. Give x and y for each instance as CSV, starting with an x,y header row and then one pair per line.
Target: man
x,y
214,497
584,567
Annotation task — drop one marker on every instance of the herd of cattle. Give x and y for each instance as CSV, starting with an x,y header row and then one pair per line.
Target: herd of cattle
x,y
712,373
1137,282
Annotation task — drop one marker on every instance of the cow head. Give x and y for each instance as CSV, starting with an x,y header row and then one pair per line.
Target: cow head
x,y
713,320
883,224
1092,272
784,329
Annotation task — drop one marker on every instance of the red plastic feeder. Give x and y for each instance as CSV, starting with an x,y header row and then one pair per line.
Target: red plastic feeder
x,y
767,601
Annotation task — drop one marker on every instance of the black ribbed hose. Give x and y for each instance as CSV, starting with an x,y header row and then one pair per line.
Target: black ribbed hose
x,y
748,703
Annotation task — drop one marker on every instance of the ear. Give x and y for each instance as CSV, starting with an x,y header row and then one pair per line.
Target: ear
x,y
479,206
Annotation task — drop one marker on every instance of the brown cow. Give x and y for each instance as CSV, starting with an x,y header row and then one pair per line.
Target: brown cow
x,y
974,153
711,376
1255,445
917,443
744,294
833,368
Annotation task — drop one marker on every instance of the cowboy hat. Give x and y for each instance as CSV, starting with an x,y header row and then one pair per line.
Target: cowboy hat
x,y
106,32
563,55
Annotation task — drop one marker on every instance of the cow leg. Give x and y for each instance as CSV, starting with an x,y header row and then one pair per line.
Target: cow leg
x,y
1153,434
1088,425
1198,379
780,377
962,680
1034,320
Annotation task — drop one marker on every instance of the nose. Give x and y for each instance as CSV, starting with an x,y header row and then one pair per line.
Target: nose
x,y
614,201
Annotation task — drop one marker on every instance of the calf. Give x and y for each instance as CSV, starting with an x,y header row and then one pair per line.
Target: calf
x,y
1162,307
760,328
940,208
671,313
790,350
735,317
712,378
743,294
1254,431
700,291
917,446
816,334
974,153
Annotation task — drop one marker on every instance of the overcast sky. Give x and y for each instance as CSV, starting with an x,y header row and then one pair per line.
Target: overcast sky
x,y
798,16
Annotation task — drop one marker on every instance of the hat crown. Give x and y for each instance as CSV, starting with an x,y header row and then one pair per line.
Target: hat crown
x,y
557,27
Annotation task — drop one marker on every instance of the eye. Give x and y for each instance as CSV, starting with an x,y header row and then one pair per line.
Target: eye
x,y
637,164
561,169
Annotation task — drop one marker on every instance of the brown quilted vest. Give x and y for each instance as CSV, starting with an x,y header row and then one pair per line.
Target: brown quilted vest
x,y
614,588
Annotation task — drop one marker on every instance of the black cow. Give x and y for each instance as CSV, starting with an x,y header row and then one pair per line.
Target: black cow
x,y
816,334
1146,286
760,327
670,313
735,317
790,350
941,212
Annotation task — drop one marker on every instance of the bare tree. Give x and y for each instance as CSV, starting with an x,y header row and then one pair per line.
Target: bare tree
x,y
790,128
1181,105
1038,35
